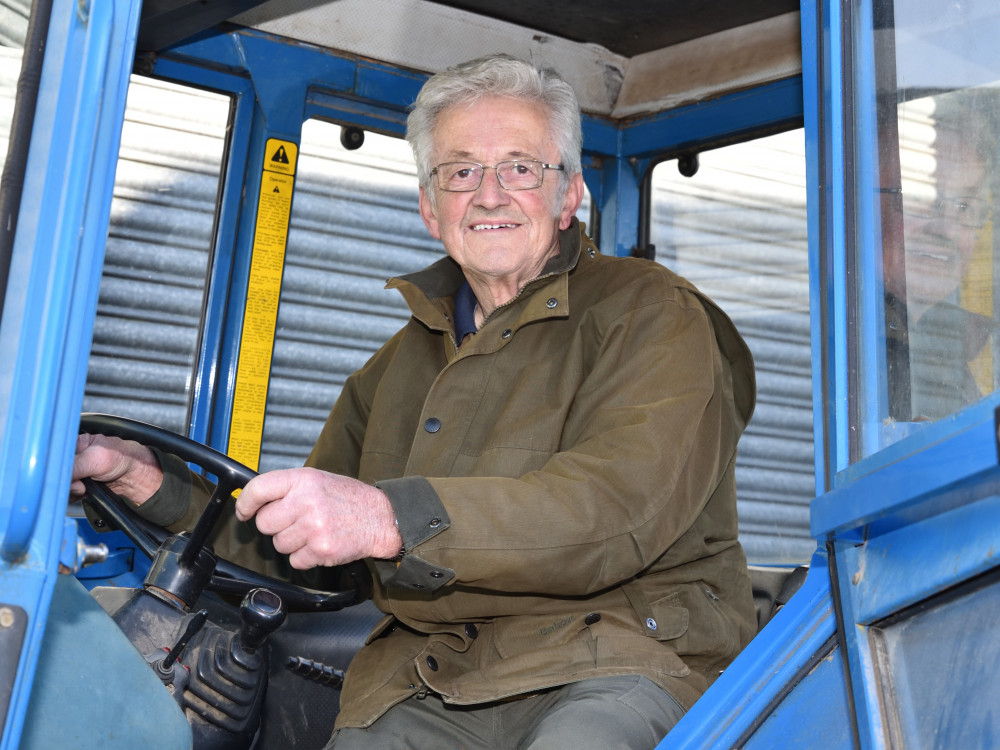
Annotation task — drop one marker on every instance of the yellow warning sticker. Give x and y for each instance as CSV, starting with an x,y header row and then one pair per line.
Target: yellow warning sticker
x,y
260,317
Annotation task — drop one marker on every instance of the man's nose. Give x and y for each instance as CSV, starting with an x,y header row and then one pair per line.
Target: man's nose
x,y
490,194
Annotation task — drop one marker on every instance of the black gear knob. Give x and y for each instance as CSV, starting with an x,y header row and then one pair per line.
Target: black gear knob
x,y
262,612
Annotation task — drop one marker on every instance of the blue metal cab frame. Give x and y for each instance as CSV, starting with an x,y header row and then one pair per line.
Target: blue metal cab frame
x,y
893,530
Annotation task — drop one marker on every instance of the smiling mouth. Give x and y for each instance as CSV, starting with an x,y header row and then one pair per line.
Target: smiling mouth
x,y
481,227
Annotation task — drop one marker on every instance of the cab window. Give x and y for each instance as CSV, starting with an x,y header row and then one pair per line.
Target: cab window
x,y
935,189
160,243
732,221
354,223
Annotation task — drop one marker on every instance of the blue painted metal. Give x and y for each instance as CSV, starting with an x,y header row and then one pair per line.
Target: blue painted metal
x,y
924,507
914,486
860,658
764,672
812,98
836,242
125,566
223,262
52,293
620,186
910,564
773,106
600,137
815,715
346,110
873,389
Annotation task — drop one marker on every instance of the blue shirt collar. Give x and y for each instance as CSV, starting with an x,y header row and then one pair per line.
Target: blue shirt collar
x,y
465,312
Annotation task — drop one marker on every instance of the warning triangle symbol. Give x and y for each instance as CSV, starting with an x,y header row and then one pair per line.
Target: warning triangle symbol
x,y
275,190
280,156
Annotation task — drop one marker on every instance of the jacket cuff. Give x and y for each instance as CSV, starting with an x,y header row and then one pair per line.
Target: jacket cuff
x,y
170,502
420,516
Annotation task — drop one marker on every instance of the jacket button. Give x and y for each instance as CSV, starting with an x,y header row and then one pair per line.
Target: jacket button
x,y
433,424
507,333
592,618
432,663
651,623
434,523
471,630
551,302
437,574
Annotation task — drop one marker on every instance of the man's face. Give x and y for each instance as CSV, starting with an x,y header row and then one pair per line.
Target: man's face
x,y
500,238
938,245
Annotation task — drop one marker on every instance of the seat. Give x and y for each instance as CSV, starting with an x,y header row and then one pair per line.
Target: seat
x,y
772,587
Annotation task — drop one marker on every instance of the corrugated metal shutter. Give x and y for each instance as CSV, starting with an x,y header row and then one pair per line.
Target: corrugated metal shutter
x,y
354,224
737,230
14,24
10,66
159,244
13,29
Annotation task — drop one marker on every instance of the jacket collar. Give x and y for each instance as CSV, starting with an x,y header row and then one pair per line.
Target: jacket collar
x,y
430,292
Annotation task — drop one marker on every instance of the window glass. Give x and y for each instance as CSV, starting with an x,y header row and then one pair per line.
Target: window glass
x,y
737,230
13,33
937,113
937,669
160,241
355,223
11,50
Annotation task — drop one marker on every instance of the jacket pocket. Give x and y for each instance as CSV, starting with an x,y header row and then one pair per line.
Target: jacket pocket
x,y
692,619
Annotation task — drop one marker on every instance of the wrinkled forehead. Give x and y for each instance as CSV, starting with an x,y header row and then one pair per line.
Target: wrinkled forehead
x,y
525,125
958,166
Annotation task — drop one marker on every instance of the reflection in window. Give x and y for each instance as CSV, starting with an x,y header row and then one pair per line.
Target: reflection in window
x,y
937,117
737,230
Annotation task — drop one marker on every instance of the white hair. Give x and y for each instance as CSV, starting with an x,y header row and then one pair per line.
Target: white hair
x,y
496,76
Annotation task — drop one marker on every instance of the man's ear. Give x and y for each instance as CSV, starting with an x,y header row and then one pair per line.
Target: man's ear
x,y
571,200
428,215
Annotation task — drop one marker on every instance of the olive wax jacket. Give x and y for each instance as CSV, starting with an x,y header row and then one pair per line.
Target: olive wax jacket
x,y
563,484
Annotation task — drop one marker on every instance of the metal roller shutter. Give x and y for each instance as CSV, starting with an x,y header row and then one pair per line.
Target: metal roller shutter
x,y
157,256
354,224
737,230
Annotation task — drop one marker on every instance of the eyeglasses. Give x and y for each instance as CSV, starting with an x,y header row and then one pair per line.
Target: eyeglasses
x,y
968,212
466,176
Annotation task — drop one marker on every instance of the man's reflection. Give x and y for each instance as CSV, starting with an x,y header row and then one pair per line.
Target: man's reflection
x,y
942,222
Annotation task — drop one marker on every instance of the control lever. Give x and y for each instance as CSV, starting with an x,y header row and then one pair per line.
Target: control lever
x,y
262,612
164,666
169,669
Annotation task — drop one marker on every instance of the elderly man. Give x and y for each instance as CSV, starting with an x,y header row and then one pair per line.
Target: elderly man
x,y
538,467
937,342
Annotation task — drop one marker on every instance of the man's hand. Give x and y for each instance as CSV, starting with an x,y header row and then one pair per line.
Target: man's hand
x,y
317,518
126,467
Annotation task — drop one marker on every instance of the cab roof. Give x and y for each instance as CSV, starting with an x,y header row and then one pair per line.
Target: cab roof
x,y
625,58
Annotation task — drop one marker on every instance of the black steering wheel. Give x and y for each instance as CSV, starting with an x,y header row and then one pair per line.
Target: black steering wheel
x,y
184,561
